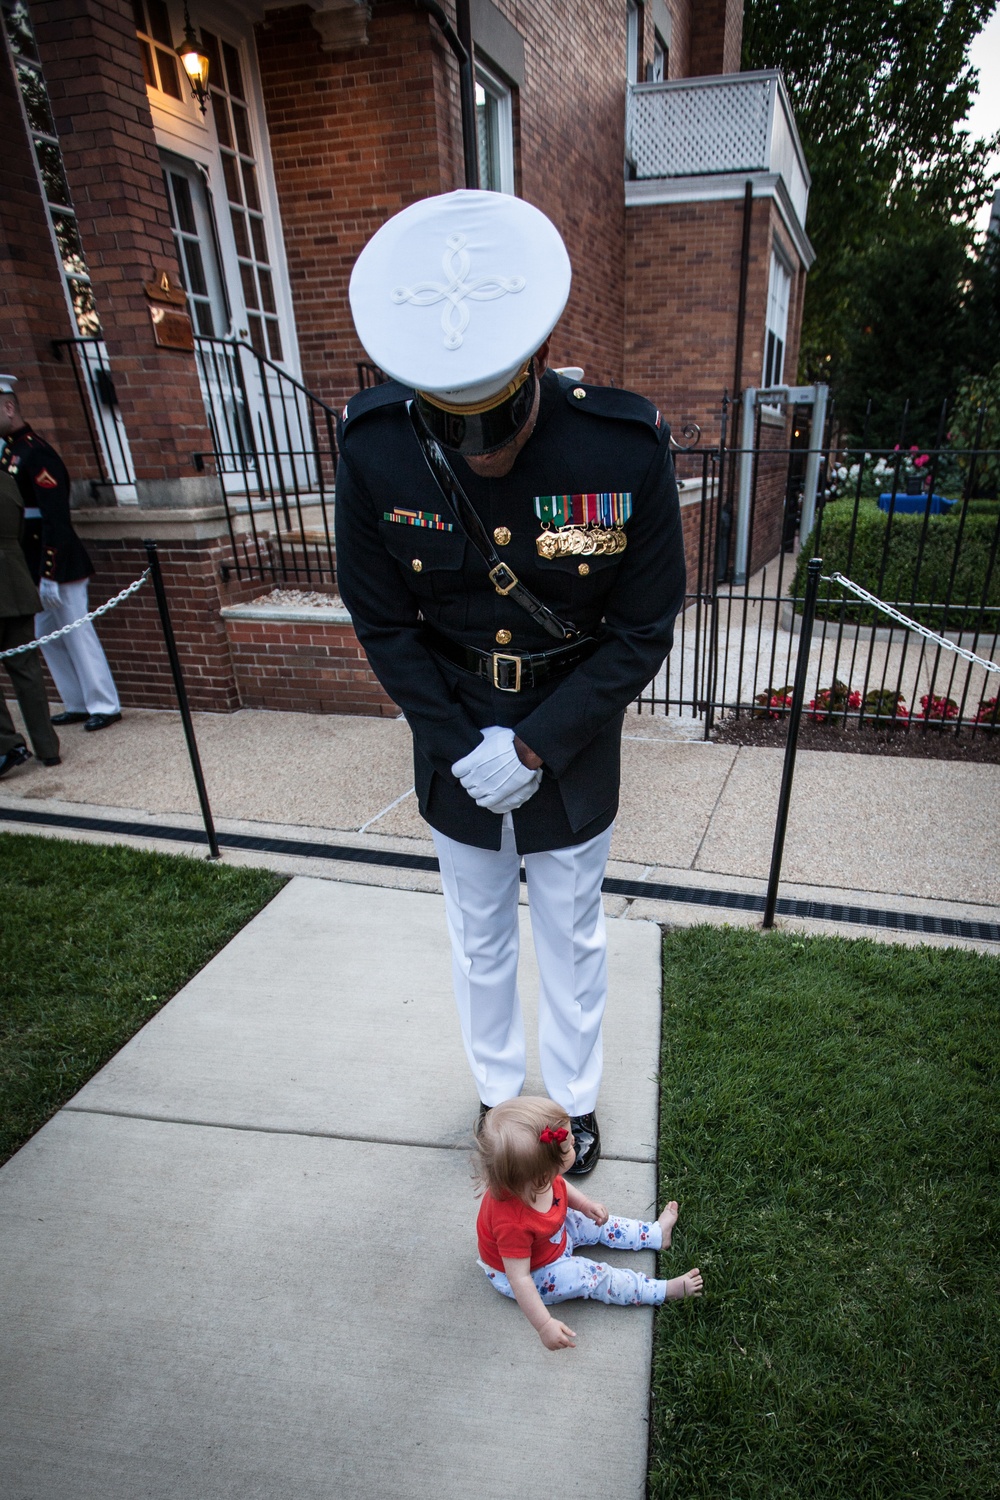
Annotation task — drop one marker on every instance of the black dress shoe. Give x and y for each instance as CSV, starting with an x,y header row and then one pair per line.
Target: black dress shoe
x,y
587,1140
51,760
68,718
100,721
13,758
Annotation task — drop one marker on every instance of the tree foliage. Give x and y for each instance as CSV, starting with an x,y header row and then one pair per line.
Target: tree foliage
x,y
880,91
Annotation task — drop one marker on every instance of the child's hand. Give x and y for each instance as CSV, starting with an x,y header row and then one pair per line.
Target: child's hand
x,y
555,1335
597,1212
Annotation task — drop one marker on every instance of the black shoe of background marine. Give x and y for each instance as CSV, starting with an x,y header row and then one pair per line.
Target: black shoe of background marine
x,y
19,756
587,1139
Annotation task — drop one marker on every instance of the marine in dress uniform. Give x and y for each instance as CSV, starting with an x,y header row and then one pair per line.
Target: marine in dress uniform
x,y
18,605
516,729
60,567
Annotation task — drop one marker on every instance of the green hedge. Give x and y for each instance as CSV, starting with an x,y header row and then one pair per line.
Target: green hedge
x,y
900,582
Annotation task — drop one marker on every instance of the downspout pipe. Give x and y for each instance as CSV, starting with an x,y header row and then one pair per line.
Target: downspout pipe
x,y
462,48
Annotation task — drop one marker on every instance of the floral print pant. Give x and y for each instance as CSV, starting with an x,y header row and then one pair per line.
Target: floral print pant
x,y
573,1276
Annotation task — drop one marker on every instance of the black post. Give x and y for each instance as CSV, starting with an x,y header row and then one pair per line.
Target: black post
x,y
467,84
791,744
182,701
460,43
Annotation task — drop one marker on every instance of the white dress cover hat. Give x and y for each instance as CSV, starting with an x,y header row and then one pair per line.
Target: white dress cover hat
x,y
455,293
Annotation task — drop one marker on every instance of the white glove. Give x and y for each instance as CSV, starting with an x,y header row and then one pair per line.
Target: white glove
x,y
493,774
48,591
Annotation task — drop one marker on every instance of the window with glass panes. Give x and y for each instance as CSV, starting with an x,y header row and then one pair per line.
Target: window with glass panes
x,y
48,156
495,133
778,294
239,167
159,60
188,238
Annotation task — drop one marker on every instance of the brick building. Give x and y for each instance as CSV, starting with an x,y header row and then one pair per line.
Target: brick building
x,y
174,280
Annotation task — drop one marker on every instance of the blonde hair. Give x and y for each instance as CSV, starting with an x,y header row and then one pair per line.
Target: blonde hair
x,y
511,1159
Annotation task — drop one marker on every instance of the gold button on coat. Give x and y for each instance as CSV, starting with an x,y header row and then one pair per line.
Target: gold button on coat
x,y
579,393
501,536
503,637
584,568
416,565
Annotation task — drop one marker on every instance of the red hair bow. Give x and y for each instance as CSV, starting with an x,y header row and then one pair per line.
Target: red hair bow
x,y
548,1134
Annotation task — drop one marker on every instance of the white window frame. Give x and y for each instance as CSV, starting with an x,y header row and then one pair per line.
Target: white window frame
x,y
779,296
632,42
494,88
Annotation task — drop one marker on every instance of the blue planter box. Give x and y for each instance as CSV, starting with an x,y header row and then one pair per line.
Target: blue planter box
x,y
916,504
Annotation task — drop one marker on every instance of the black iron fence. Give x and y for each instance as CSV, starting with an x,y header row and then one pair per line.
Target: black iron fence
x,y
919,528
274,450
99,403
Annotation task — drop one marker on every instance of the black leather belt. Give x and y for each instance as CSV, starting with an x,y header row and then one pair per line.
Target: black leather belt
x,y
506,670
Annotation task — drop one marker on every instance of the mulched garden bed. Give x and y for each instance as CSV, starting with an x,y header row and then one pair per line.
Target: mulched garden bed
x,y
924,744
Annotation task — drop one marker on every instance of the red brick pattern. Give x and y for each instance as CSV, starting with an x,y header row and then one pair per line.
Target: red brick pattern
x,y
716,37
92,67
304,667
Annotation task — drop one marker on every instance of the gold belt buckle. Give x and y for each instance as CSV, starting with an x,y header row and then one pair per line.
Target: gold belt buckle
x,y
498,657
504,573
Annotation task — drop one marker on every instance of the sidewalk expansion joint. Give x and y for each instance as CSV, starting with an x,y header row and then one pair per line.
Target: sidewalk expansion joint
x,y
321,1135
884,918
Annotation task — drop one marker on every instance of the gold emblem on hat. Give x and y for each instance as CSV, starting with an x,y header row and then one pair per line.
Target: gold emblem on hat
x,y
501,536
503,637
416,565
581,541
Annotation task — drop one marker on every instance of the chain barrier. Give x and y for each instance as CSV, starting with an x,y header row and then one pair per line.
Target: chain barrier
x,y
101,609
894,614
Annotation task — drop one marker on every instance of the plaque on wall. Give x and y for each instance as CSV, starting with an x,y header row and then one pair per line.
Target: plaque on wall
x,y
162,289
172,330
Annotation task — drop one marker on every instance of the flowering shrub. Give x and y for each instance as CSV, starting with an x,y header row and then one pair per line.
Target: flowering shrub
x,y
938,710
833,699
882,703
988,712
774,702
841,478
909,463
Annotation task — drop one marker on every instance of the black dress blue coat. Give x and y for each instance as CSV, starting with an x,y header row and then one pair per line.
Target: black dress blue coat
x,y
606,440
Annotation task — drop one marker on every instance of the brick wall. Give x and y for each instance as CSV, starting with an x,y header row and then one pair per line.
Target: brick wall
x,y
132,636
90,57
572,164
33,308
356,136
716,37
304,667
227,663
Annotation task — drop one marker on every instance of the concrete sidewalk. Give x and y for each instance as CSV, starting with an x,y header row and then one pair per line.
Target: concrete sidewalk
x,y
868,833
241,1263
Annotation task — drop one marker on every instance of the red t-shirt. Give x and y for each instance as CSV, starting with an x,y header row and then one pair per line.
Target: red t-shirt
x,y
509,1227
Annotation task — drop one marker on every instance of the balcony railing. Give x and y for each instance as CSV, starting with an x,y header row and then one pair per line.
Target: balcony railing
x,y
733,123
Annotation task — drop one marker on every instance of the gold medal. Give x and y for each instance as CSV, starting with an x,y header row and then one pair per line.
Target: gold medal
x,y
581,541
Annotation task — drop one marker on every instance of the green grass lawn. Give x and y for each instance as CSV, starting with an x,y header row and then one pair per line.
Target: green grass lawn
x,y
829,1125
93,940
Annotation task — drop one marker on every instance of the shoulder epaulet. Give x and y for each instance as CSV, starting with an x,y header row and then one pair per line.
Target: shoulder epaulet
x,y
610,401
390,393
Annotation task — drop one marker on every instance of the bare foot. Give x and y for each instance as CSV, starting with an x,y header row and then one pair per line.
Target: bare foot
x,y
688,1285
667,1220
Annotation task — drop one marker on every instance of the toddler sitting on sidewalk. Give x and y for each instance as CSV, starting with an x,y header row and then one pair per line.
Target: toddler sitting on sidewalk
x,y
531,1219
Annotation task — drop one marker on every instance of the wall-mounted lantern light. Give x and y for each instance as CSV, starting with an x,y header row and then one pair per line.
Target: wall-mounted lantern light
x,y
194,62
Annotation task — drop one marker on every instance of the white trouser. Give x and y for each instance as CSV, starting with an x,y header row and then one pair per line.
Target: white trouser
x,y
77,662
481,888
